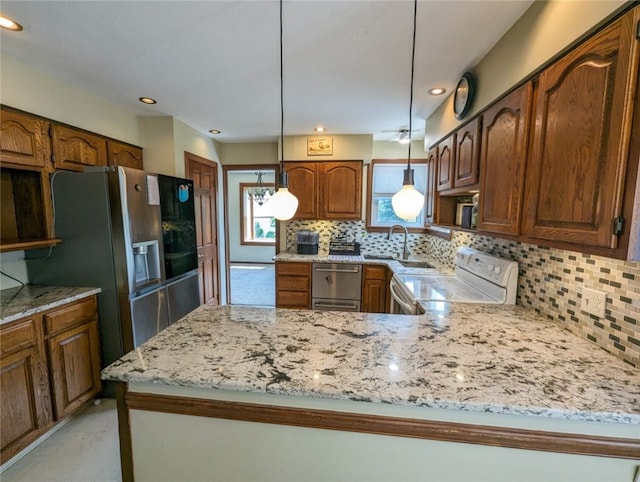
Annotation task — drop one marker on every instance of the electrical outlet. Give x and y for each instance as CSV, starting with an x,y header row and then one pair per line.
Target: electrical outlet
x,y
593,301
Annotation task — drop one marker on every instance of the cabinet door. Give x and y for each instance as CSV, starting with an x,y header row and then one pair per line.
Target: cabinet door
x,y
374,289
25,410
503,161
125,155
24,139
467,154
341,190
431,197
74,359
74,149
575,175
293,285
446,163
303,184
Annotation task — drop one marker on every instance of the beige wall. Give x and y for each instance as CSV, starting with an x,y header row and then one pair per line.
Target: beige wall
x,y
540,34
348,147
249,153
34,91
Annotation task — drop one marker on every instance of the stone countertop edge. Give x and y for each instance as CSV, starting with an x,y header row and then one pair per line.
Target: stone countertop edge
x,y
19,302
474,358
393,264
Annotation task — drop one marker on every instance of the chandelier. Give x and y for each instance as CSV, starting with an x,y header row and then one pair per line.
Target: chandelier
x,y
260,193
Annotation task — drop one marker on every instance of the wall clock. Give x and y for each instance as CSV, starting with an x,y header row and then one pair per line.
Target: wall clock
x,y
463,96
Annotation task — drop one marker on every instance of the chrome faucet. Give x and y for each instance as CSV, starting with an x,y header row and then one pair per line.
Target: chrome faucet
x,y
406,252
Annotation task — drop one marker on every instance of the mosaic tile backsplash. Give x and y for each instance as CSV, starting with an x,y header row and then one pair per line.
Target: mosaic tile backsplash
x,y
550,282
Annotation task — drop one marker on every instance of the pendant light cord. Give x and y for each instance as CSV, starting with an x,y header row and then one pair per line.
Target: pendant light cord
x,y
413,55
281,98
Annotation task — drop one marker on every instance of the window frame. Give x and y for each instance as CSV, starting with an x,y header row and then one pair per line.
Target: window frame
x,y
243,218
369,198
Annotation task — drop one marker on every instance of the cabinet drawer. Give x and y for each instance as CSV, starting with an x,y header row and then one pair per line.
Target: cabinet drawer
x,y
70,315
18,336
375,272
300,269
294,283
292,299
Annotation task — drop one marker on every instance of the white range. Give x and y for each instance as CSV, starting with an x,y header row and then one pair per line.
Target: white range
x,y
478,278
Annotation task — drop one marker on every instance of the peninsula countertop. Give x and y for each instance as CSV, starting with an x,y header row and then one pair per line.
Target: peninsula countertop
x,y
478,358
29,300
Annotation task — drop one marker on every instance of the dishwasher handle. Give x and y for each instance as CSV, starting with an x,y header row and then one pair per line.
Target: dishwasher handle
x,y
337,270
407,308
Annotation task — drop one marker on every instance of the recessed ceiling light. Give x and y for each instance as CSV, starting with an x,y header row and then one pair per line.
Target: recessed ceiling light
x,y
319,129
147,100
214,131
6,22
437,91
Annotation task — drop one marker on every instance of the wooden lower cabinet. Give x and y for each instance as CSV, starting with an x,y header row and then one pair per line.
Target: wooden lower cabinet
x,y
293,285
25,408
49,368
375,285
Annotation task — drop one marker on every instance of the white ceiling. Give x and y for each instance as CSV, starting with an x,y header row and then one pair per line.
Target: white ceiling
x,y
215,64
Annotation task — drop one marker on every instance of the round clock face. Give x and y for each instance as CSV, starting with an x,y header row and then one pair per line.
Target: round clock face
x,y
463,96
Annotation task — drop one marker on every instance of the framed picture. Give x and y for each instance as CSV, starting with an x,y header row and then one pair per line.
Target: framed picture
x,y
319,146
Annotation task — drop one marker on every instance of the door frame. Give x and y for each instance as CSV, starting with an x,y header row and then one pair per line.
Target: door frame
x,y
188,158
225,182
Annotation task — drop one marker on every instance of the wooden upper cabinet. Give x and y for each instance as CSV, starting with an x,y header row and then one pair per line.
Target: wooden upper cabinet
x,y
583,114
75,149
503,160
446,163
430,197
125,155
303,183
341,190
326,190
24,139
466,172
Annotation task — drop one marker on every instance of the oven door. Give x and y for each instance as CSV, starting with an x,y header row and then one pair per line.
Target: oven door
x,y
401,300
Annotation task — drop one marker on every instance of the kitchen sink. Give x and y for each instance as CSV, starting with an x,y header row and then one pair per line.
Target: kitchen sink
x,y
414,263
407,263
384,257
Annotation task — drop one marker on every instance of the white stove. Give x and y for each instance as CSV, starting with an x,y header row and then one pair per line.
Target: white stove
x,y
478,278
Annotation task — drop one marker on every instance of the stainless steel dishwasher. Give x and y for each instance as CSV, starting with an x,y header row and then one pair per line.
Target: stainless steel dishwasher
x,y
336,287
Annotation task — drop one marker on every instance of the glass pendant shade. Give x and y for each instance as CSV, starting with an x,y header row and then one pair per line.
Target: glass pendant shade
x,y
283,204
407,202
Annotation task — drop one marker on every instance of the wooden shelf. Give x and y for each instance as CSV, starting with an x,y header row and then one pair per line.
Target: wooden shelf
x,y
22,244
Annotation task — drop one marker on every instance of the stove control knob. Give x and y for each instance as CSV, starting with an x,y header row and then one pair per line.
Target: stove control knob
x,y
490,268
498,270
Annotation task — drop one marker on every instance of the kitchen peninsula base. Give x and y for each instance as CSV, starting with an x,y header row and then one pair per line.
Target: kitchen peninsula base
x,y
178,433
462,392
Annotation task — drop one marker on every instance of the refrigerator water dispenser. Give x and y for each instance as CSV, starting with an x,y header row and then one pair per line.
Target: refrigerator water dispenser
x,y
146,258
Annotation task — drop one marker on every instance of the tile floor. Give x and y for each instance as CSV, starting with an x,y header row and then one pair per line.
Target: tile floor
x,y
253,284
85,449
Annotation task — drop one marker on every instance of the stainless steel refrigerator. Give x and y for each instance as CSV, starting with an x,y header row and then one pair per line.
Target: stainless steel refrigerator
x,y
111,225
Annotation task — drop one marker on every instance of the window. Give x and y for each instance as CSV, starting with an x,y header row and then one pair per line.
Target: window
x,y
258,225
385,179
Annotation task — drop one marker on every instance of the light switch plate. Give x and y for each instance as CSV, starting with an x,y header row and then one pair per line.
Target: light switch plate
x,y
593,302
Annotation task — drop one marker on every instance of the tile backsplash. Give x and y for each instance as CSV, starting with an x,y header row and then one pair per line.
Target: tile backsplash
x,y
550,282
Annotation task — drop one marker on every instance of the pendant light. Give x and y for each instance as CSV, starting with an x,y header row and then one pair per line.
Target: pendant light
x,y
283,204
408,202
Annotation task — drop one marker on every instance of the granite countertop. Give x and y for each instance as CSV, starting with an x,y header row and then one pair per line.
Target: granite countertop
x,y
18,302
393,264
483,358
